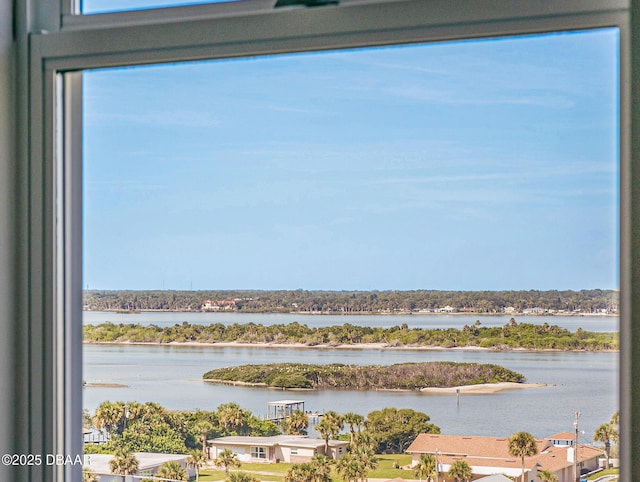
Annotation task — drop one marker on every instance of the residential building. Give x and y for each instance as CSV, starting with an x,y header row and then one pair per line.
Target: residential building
x,y
278,448
148,465
490,455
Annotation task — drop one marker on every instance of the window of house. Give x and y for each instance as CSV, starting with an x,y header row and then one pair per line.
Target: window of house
x,y
70,52
258,453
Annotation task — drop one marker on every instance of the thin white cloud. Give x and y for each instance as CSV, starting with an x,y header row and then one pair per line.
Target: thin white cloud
x,y
172,118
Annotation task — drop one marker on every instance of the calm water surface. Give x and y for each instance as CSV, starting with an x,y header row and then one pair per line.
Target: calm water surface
x,y
589,323
171,376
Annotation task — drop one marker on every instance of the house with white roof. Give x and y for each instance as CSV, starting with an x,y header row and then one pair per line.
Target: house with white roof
x,y
277,448
148,465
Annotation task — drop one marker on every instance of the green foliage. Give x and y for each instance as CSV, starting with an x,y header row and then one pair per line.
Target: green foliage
x,y
407,376
317,470
296,424
507,337
227,459
522,444
89,475
241,477
286,301
150,427
394,429
460,471
123,463
426,467
547,476
172,470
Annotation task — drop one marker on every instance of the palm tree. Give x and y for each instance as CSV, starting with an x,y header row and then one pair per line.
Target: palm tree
x,y
615,418
460,471
299,473
89,475
109,416
335,418
348,468
426,467
231,416
172,470
202,429
321,468
124,463
367,460
227,459
606,433
326,429
546,476
241,477
354,420
522,444
296,423
197,460
366,439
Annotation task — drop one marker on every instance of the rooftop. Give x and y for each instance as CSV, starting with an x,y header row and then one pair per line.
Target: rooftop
x,y
283,440
99,463
493,452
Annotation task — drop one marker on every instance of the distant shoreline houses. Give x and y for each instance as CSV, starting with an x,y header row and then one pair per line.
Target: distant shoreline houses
x,y
233,305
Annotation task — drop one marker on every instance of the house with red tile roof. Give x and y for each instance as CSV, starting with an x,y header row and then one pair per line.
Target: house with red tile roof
x,y
490,455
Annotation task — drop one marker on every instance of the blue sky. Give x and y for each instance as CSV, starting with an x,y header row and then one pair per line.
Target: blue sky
x,y
468,166
103,6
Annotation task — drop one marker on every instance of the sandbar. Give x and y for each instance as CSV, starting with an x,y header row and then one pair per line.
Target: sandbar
x,y
483,388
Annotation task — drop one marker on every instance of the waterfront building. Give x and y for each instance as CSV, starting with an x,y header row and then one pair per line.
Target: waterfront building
x,y
277,448
490,455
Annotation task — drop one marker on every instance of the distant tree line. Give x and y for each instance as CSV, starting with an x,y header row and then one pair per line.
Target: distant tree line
x,y
511,335
354,302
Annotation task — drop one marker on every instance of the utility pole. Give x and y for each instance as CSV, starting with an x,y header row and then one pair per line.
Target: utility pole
x,y
576,476
437,466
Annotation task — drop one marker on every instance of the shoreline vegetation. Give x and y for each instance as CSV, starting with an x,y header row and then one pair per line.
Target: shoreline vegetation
x,y
534,302
402,376
511,336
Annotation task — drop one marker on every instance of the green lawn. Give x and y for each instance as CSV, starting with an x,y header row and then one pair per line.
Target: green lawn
x,y
385,470
208,475
613,471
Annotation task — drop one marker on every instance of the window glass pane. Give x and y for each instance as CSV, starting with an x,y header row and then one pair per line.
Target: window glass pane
x,y
105,6
466,187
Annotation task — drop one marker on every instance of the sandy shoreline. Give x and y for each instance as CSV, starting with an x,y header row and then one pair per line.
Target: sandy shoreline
x,y
235,344
484,388
104,385
358,346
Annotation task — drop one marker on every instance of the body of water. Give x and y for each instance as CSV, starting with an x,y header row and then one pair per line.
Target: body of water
x,y
435,320
172,376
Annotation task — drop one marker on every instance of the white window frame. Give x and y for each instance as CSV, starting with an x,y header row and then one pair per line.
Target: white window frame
x,y
258,453
53,46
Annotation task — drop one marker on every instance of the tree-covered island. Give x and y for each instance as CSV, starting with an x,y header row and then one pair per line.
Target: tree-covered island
x,y
402,376
510,336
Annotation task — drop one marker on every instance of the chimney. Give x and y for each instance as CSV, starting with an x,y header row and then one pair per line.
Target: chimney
x,y
570,454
